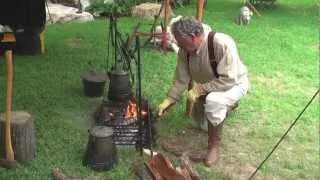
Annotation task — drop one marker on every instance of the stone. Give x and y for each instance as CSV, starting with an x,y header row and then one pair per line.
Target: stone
x,y
58,13
87,3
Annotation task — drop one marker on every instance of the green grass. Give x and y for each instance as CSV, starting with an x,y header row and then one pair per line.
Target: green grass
x,y
280,49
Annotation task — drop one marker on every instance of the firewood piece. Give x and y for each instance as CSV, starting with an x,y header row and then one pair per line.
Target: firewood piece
x,y
8,38
148,152
59,175
184,173
156,175
23,135
165,168
186,163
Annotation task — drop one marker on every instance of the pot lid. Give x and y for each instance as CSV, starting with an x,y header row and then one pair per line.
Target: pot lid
x,y
119,72
95,76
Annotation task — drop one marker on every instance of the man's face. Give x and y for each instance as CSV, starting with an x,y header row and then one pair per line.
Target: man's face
x,y
189,43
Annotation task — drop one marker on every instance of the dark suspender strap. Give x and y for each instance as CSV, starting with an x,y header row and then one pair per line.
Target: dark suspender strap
x,y
188,58
211,54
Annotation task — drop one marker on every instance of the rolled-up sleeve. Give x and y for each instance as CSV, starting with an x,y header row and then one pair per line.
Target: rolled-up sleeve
x,y
181,78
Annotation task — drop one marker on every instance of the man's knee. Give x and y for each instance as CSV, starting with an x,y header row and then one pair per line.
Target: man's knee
x,y
215,112
215,98
215,107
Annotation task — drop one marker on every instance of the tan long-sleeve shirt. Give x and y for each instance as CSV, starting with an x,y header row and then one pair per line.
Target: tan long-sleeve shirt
x,y
229,67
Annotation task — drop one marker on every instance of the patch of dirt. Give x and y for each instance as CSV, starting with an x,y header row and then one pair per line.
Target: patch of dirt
x,y
191,139
74,42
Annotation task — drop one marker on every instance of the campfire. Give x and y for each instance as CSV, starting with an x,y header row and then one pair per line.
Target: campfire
x,y
123,116
120,113
132,111
129,127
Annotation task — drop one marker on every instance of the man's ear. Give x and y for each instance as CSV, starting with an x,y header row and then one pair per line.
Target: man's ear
x,y
192,34
197,39
193,37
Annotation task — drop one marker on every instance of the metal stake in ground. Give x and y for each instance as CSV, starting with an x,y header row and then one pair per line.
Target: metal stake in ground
x,y
285,134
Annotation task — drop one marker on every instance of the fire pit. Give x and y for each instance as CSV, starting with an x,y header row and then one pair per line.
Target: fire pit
x,y
129,127
128,113
124,117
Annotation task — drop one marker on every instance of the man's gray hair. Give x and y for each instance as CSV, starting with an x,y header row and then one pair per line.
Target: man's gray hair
x,y
187,25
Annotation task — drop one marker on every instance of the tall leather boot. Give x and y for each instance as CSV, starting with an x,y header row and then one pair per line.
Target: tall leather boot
x,y
214,133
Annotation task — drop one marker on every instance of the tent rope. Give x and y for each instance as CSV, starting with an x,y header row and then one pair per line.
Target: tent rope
x,y
285,134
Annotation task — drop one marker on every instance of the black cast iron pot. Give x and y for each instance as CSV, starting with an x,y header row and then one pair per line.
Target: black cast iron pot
x,y
94,83
120,86
101,152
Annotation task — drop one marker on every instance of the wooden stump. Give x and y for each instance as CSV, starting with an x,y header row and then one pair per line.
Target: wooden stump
x,y
23,135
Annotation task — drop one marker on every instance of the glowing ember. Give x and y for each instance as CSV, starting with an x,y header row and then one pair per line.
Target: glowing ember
x,y
132,110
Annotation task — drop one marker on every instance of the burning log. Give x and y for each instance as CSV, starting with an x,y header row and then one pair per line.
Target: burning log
x,y
130,113
132,110
123,118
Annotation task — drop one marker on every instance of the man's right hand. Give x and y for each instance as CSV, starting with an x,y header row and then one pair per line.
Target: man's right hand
x,y
164,106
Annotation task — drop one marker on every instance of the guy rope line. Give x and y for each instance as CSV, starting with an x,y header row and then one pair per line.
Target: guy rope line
x,y
285,134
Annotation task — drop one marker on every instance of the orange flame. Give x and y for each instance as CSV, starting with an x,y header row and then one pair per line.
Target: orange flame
x,y
132,110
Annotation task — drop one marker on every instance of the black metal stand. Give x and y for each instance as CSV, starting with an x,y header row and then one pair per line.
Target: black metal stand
x,y
136,130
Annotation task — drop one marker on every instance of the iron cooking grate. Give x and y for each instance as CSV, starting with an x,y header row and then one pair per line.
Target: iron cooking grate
x,y
137,130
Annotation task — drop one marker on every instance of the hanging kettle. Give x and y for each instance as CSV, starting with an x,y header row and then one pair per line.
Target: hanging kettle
x,y
120,86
